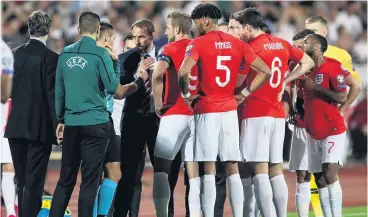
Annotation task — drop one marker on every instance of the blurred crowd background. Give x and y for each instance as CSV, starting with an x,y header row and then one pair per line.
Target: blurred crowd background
x,y
347,20
347,26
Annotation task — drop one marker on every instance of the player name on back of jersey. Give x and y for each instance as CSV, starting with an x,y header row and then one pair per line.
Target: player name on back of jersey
x,y
273,46
223,45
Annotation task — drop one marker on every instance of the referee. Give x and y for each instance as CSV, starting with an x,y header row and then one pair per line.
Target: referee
x,y
85,74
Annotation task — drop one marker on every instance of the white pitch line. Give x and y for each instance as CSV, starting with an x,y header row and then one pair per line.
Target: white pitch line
x,y
356,214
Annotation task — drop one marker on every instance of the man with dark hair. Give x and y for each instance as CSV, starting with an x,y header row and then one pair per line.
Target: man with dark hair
x,y
298,152
319,26
266,165
325,89
32,119
215,103
172,138
112,173
139,125
128,42
85,75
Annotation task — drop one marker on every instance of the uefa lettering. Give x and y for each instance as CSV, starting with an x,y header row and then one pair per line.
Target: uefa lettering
x,y
76,61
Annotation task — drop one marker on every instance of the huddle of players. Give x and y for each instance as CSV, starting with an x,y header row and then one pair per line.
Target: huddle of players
x,y
199,116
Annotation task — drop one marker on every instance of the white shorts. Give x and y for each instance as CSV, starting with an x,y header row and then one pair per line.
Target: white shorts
x,y
299,150
329,150
217,134
175,133
262,139
5,152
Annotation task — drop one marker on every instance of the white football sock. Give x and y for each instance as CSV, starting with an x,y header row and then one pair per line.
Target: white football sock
x,y
263,194
161,193
248,207
302,198
280,195
8,192
256,212
324,197
335,193
194,197
236,195
208,196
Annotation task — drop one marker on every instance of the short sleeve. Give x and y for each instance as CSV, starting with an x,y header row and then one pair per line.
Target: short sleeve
x,y
337,79
295,54
164,54
192,50
244,68
248,53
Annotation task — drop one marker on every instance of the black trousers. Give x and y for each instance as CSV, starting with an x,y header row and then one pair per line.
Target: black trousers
x,y
220,188
86,144
30,160
137,131
359,140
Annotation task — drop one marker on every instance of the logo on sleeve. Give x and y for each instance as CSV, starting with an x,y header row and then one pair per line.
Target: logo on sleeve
x,y
340,78
76,61
341,81
343,68
319,78
189,47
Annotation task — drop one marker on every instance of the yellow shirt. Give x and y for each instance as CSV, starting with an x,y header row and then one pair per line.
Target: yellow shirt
x,y
343,57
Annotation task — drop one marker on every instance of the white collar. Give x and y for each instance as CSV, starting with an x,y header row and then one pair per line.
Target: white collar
x,y
38,39
152,53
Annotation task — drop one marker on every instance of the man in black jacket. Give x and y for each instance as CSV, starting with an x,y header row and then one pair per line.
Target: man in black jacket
x,y
32,120
140,123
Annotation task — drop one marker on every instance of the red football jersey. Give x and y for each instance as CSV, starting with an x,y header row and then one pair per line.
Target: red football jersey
x,y
219,56
173,53
276,53
321,114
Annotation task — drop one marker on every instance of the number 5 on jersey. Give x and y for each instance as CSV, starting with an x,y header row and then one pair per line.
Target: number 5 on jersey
x,y
220,66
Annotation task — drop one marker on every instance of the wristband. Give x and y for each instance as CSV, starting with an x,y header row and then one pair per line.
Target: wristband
x,y
186,96
245,92
139,82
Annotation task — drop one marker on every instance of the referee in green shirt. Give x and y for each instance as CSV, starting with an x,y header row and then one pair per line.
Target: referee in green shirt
x,y
85,74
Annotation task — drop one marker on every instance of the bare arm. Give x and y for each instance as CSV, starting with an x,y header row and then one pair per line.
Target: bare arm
x,y
184,73
125,90
293,95
355,88
305,65
240,80
6,86
157,82
339,97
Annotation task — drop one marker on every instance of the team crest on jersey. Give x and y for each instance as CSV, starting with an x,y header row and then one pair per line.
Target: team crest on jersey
x,y
76,61
319,78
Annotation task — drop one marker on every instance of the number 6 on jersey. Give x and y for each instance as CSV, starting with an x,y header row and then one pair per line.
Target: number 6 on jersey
x,y
220,66
275,68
